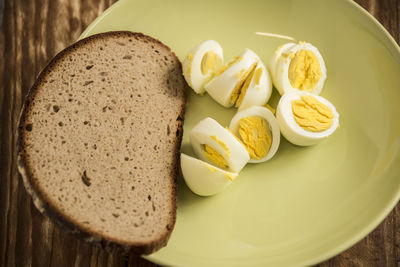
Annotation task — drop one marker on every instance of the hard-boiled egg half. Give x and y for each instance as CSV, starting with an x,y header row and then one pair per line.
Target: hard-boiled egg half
x,y
243,82
258,130
277,55
216,145
204,179
298,67
306,119
222,157
201,64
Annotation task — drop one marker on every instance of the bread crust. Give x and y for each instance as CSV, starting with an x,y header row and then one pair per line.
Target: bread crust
x,y
44,204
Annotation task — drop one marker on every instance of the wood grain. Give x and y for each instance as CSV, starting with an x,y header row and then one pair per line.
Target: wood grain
x,y
32,32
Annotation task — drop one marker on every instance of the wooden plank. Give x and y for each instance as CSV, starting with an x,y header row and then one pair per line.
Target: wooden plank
x,y
32,32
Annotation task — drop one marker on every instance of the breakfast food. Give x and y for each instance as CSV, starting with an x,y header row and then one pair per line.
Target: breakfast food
x,y
298,67
222,158
201,64
225,88
243,82
99,140
305,119
302,116
256,90
258,131
214,144
204,179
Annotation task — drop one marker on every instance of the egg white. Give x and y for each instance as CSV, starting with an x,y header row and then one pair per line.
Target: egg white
x,y
293,132
257,94
204,179
266,114
282,63
192,65
221,87
201,134
274,61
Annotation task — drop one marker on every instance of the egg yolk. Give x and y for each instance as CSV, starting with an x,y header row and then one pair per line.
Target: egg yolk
x,y
279,49
270,108
243,89
256,136
224,146
304,70
214,156
234,60
209,62
242,85
211,168
221,70
225,67
312,115
257,76
229,176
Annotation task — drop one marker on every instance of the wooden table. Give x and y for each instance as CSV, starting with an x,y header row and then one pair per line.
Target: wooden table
x,y
32,32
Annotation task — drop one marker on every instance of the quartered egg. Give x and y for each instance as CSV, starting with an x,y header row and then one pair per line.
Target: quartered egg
x,y
257,88
218,146
258,130
298,67
306,119
225,87
200,65
204,179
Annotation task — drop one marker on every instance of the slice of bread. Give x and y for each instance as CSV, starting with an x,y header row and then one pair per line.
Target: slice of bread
x,y
99,139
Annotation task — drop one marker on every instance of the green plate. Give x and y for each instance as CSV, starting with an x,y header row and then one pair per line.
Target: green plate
x,y
306,204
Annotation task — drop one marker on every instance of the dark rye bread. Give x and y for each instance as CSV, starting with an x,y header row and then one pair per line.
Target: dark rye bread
x,y
99,139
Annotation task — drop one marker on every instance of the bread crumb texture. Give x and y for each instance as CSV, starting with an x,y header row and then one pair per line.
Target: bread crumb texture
x,y
100,136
